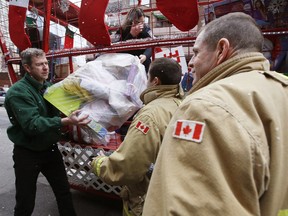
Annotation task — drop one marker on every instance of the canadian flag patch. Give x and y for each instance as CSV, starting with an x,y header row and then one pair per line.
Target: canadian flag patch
x,y
142,127
189,130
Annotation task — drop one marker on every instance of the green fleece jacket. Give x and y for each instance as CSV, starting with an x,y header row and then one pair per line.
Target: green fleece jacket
x,y
35,123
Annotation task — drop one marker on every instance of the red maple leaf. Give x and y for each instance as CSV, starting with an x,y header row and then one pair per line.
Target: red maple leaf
x,y
187,129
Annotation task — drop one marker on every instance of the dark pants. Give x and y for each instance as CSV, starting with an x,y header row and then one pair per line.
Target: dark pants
x,y
27,166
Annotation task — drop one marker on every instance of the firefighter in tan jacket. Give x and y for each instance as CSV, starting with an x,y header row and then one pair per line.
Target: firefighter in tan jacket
x,y
131,164
225,150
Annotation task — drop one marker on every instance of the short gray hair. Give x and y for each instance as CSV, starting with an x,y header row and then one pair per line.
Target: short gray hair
x,y
27,54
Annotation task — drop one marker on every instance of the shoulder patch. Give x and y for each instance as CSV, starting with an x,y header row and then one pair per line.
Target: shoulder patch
x,y
142,127
189,130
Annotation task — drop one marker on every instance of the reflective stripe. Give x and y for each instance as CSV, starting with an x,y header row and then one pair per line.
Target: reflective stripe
x,y
126,211
283,212
98,164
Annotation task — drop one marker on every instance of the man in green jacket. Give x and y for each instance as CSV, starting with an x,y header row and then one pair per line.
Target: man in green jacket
x,y
35,130
132,163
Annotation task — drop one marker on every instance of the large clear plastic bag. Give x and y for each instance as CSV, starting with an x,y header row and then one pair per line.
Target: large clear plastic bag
x,y
107,89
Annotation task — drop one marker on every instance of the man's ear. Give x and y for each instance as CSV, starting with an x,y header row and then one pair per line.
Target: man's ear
x,y
223,50
156,81
26,67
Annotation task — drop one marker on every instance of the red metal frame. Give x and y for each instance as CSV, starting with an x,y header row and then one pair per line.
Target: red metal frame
x,y
95,192
121,46
7,56
50,13
47,18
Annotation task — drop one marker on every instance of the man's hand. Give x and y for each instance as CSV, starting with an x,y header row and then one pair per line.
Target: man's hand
x,y
94,158
95,163
76,118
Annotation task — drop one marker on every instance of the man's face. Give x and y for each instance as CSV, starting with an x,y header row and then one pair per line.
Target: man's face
x,y
203,59
38,69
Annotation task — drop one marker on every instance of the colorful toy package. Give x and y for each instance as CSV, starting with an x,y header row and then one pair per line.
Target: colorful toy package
x,y
107,89
269,14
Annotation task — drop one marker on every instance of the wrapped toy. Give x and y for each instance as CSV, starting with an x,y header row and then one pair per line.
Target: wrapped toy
x,y
108,89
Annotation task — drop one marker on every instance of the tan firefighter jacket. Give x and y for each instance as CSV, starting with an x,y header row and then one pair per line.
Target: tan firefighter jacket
x,y
129,164
225,150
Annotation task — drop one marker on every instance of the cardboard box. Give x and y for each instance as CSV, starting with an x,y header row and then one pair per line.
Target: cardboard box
x,y
63,70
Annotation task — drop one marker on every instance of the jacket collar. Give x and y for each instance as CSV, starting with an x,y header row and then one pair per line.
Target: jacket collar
x,y
158,91
238,64
38,86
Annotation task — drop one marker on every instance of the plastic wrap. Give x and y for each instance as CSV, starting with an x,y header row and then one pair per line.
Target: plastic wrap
x,y
107,89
